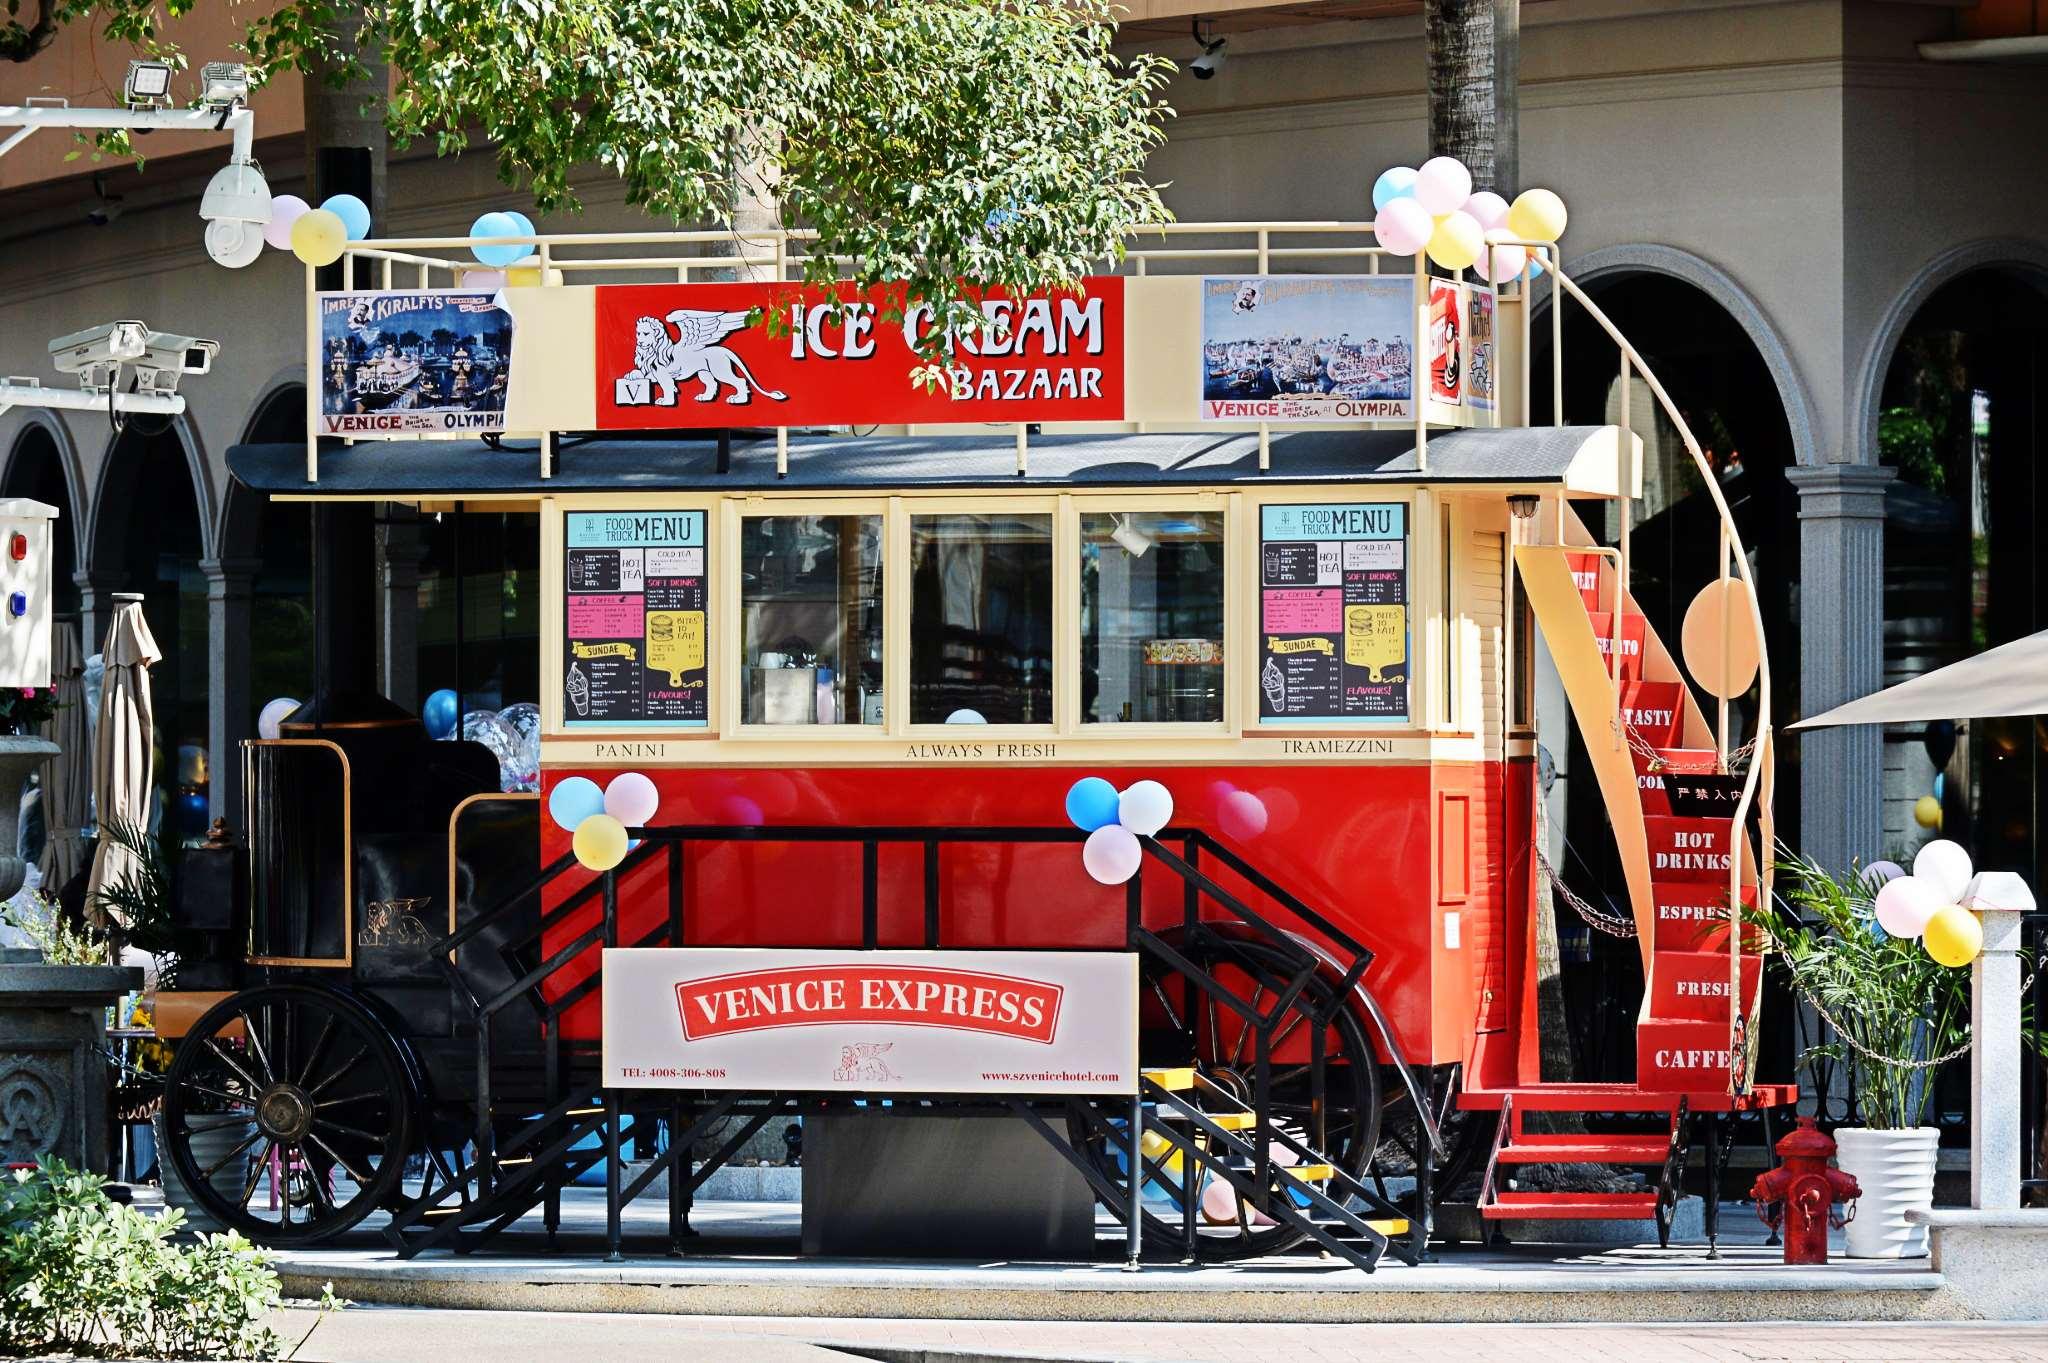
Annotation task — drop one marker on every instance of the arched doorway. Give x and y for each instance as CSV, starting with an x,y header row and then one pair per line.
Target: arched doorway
x,y
1717,376
35,469
272,543
1960,421
149,537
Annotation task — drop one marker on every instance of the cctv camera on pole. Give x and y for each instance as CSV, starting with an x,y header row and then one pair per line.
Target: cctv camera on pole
x,y
236,205
99,356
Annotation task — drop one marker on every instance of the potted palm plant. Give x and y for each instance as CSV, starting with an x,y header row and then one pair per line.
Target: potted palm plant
x,y
1896,1014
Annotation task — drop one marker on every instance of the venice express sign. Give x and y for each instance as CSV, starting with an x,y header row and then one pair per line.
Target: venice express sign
x,y
701,355
871,1021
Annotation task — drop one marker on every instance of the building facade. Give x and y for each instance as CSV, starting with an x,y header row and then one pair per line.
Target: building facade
x,y
1808,215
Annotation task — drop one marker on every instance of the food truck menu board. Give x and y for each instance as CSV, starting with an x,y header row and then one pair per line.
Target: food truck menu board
x,y
634,616
1333,612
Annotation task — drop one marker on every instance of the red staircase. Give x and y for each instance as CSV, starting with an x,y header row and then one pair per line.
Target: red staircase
x,y
1693,989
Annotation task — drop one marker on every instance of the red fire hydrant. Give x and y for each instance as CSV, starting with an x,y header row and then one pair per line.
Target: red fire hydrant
x,y
1799,1195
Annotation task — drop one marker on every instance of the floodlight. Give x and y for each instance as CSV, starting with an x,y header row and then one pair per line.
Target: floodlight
x,y
1132,540
223,85
149,83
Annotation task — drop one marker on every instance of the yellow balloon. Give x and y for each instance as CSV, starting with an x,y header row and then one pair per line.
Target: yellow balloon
x,y
1457,241
318,236
599,842
1953,936
1537,215
530,277
1927,812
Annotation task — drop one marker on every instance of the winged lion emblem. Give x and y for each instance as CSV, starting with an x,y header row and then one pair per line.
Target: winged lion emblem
x,y
663,359
862,1063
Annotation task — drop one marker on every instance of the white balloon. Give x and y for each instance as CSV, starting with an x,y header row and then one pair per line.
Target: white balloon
x,y
966,717
1145,808
1112,854
273,716
1904,905
1489,208
1442,184
1945,866
1880,873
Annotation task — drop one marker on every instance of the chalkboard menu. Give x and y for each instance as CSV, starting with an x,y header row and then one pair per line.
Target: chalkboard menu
x,y
634,619
1333,612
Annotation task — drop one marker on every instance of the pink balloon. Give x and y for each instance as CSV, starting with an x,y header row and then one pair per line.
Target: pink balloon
x,y
284,211
1112,854
632,799
1219,1202
1499,264
1403,226
1489,208
1442,184
1905,905
482,279
1243,816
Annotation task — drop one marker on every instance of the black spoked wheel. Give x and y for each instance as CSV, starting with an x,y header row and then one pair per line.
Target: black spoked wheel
x,y
1185,1026
1465,1136
288,1113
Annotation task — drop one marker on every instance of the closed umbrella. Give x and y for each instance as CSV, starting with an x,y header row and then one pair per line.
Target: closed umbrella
x,y
68,777
2011,679
124,763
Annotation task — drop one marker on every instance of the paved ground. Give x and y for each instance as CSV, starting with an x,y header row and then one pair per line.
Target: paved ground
x,y
402,1335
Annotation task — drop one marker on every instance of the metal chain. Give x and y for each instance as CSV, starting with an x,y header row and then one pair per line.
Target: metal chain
x,y
1891,1062
1614,927
1655,760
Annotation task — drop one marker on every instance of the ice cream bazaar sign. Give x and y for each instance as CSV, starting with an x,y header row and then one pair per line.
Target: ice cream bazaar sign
x,y
690,355
871,1021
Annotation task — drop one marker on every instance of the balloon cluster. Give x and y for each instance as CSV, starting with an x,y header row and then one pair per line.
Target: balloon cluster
x,y
1114,821
1434,208
317,235
504,223
1924,903
512,734
596,818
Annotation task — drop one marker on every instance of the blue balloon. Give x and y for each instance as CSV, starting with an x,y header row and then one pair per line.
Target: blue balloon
x,y
526,229
497,225
192,812
1091,803
1939,783
575,800
1535,266
1395,182
353,212
440,713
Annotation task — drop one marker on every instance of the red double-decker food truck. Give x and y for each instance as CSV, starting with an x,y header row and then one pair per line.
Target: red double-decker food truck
x,y
1120,746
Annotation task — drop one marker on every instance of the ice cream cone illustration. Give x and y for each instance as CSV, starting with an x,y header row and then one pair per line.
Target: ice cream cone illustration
x,y
579,689
1275,683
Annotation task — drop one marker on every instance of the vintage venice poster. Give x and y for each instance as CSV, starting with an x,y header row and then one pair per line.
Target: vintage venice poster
x,y
1303,348
412,362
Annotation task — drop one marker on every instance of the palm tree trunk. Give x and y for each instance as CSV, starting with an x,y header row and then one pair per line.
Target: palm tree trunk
x,y
1507,97
1459,34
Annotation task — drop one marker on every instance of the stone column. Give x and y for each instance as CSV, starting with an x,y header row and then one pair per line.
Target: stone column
x,y
1841,657
95,607
228,703
399,550
1995,1062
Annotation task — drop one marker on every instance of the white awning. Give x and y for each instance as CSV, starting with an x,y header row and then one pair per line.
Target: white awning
x,y
2011,679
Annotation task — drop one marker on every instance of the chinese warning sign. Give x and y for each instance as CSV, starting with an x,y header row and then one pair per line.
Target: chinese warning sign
x,y
698,355
1333,612
634,619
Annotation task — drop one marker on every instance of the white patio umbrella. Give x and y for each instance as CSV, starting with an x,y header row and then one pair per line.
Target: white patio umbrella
x,y
69,775
2011,679
124,762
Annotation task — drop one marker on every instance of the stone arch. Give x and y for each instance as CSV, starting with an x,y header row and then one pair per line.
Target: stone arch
x,y
114,487
1721,287
2011,253
50,425
239,533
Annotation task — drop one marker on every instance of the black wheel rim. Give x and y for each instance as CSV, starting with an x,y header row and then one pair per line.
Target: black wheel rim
x,y
1222,1052
288,1114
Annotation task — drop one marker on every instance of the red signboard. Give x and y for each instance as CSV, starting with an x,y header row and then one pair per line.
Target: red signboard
x,y
901,995
685,355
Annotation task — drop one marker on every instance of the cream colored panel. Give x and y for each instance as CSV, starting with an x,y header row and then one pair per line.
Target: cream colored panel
x,y
1162,348
554,360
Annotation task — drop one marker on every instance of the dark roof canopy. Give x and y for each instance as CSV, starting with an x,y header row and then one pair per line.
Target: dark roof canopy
x,y
406,469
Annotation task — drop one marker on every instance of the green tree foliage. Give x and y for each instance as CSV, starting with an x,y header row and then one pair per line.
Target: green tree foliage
x,y
952,145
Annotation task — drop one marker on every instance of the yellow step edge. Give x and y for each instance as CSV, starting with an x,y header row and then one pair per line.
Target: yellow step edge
x,y
1311,1173
1173,1081
1390,1227
1234,1121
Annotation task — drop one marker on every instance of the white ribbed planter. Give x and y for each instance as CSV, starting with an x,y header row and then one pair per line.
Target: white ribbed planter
x,y
1896,1172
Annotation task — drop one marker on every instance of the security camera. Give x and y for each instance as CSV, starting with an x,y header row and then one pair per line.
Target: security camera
x,y
236,207
1210,62
97,353
167,357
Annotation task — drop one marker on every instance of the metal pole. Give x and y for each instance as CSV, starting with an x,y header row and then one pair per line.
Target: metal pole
x,y
1135,1242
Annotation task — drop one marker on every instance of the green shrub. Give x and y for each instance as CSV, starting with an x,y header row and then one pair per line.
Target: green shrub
x,y
85,1275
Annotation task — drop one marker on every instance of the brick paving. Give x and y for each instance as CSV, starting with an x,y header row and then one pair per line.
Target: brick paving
x,y
407,1335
